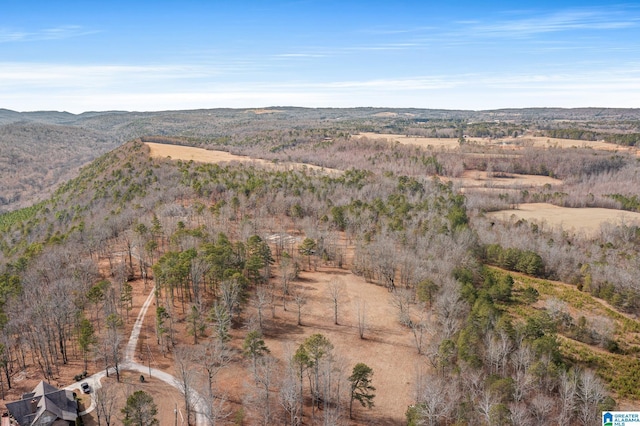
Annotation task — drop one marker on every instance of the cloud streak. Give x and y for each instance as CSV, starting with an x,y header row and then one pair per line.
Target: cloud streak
x,y
47,78
586,19
100,87
55,33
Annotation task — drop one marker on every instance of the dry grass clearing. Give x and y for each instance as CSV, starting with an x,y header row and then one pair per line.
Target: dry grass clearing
x,y
580,220
437,143
480,179
545,142
201,155
263,111
387,347
524,141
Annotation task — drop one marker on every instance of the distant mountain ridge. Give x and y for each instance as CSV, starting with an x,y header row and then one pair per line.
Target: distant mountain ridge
x,y
587,113
41,149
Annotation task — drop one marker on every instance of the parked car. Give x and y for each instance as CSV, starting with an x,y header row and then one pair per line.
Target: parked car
x,y
85,387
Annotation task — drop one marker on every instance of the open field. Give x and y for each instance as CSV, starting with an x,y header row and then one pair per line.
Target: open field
x,y
583,220
480,179
437,143
386,347
524,141
546,142
188,153
263,111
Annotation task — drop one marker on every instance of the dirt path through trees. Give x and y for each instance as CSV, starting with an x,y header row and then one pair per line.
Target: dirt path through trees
x,y
130,365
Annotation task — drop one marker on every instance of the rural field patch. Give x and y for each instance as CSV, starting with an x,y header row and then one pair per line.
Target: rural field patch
x,y
580,220
201,155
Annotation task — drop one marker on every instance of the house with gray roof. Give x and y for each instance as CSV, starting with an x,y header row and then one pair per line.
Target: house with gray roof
x,y
45,406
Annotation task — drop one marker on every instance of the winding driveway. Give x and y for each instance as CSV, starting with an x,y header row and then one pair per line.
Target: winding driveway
x,y
129,364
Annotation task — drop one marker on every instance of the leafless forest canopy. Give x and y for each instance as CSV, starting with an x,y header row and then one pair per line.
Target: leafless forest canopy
x,y
513,322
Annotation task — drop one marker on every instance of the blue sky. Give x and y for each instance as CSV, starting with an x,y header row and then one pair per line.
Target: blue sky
x,y
157,55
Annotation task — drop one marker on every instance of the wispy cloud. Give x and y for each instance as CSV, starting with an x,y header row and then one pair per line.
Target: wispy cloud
x,y
393,31
300,55
384,46
17,76
55,33
583,19
100,87
416,83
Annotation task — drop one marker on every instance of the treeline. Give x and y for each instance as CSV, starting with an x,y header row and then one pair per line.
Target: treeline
x,y
596,264
514,259
624,139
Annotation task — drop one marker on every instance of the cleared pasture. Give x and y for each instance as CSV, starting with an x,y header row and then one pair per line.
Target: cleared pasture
x,y
441,143
510,142
201,155
579,220
482,179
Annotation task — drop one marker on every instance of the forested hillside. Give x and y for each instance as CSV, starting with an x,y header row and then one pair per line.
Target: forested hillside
x,y
258,274
41,150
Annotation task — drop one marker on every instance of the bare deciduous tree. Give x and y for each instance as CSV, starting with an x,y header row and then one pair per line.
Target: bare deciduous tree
x,y
335,290
113,342
591,393
186,377
567,389
261,300
435,400
259,396
213,356
290,394
215,408
541,407
450,309
519,414
361,313
300,300
104,398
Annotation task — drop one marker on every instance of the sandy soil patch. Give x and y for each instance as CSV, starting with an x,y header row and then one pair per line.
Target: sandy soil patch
x,y
201,155
583,220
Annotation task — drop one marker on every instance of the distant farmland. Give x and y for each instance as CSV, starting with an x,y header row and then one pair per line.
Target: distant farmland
x,y
581,220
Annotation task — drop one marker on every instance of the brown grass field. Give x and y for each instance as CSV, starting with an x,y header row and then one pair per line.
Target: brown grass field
x,y
263,111
581,220
201,155
481,179
506,143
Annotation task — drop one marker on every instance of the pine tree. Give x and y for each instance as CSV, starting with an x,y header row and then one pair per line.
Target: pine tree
x,y
361,389
140,410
